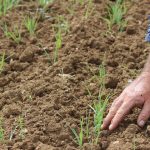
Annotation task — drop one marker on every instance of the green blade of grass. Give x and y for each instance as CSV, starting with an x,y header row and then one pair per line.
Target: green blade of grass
x,y
2,62
30,24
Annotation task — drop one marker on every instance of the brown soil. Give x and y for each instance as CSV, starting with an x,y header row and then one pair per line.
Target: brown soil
x,y
53,97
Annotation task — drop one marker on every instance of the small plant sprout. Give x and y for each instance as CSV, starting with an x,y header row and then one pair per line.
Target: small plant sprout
x,y
79,138
99,106
89,9
21,126
61,27
6,5
92,133
99,109
12,133
71,7
1,129
116,12
47,55
30,24
62,24
58,44
15,34
44,3
87,131
81,2
102,76
2,62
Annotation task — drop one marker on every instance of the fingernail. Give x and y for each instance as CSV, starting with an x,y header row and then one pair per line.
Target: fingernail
x,y
103,126
111,127
141,123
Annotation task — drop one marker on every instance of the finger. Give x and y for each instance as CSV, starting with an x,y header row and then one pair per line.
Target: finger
x,y
121,113
144,115
116,104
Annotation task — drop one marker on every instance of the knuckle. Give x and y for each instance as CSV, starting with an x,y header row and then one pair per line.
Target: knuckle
x,y
120,112
143,115
112,112
105,120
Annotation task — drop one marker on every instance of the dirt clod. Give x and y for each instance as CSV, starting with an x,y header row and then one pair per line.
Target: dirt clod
x,y
12,109
42,146
111,83
27,55
131,30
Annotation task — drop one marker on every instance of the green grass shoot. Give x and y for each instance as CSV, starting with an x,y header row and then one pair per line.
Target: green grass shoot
x,y
87,130
99,109
48,56
81,2
92,133
12,133
79,137
1,129
99,106
62,24
71,7
30,24
101,77
116,12
21,126
58,44
2,62
44,3
6,5
15,34
89,9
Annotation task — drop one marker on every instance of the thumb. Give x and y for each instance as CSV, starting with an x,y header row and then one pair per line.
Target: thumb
x,y
144,115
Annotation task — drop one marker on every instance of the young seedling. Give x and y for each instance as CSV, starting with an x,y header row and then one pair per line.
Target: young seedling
x,y
58,44
116,12
62,24
87,130
2,62
15,34
48,56
89,9
44,3
102,76
30,24
21,126
71,7
6,5
100,105
81,2
1,129
12,133
99,109
61,27
79,138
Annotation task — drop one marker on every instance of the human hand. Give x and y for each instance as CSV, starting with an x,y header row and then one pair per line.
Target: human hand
x,y
137,94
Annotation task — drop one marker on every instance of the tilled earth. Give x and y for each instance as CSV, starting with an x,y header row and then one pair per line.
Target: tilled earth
x,y
53,97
